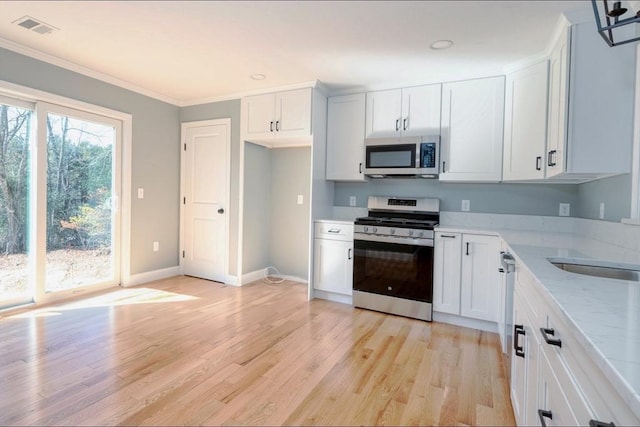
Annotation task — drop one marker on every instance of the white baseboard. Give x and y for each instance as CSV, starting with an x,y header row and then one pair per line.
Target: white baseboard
x,y
331,296
294,279
466,322
251,277
149,276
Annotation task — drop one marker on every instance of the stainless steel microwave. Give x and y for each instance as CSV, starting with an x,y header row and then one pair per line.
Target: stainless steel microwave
x,y
417,157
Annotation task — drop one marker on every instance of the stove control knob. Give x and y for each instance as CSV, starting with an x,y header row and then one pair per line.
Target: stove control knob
x,y
365,228
420,233
410,232
392,230
375,229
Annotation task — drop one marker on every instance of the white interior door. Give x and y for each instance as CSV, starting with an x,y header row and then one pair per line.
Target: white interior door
x,y
205,187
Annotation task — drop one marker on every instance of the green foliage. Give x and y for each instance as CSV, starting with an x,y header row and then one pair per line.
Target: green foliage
x,y
79,179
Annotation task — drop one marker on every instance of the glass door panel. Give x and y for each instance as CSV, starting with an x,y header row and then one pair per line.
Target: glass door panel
x,y
80,216
15,128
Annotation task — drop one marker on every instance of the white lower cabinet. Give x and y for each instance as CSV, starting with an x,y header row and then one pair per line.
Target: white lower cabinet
x,y
553,381
333,257
466,278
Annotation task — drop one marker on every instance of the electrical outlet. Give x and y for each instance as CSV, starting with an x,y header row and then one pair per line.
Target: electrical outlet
x,y
352,200
565,209
601,210
300,199
140,193
466,205
156,246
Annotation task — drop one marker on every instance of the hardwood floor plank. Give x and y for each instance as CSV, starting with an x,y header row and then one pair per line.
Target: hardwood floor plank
x,y
185,351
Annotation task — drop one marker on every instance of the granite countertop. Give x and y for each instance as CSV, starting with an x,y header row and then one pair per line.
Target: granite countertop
x,y
605,312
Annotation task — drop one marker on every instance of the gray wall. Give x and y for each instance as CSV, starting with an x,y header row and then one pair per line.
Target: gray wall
x,y
223,110
517,199
257,214
289,222
276,228
614,192
155,152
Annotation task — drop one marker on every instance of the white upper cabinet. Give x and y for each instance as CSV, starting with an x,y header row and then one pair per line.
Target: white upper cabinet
x,y
345,137
591,102
277,115
413,111
472,130
525,123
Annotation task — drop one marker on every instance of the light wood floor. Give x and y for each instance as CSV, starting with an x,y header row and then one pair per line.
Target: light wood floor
x,y
183,351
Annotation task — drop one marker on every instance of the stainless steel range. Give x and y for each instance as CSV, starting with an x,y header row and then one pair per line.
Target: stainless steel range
x,y
393,256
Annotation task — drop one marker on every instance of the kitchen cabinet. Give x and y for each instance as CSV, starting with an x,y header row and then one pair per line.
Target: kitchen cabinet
x,y
345,137
525,123
472,130
279,115
447,254
590,106
412,111
552,378
466,276
333,257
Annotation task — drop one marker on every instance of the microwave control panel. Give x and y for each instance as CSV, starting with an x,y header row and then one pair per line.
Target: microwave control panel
x,y
428,155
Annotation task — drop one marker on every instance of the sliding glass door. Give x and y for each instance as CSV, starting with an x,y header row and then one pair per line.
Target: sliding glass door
x,y
15,132
59,188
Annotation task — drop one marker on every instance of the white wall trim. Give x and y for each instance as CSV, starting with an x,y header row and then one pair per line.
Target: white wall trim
x,y
333,297
466,322
71,66
149,276
238,95
252,276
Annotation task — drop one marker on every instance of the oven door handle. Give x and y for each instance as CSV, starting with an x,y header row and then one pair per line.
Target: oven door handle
x,y
393,239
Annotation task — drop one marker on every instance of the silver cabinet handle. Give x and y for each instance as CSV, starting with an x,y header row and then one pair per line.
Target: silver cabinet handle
x,y
447,236
397,125
271,126
334,230
404,123
277,122
349,254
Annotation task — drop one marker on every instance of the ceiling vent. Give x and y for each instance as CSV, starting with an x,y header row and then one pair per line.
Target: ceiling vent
x,y
35,25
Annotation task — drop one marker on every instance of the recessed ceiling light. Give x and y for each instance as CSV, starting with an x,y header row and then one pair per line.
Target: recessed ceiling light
x,y
258,76
441,44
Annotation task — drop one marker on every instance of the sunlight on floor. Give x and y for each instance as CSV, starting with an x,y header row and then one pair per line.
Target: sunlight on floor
x,y
112,299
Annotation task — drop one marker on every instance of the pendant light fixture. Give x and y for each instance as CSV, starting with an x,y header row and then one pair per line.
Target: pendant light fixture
x,y
614,23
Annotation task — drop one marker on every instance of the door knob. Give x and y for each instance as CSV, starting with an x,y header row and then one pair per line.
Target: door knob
x,y
220,211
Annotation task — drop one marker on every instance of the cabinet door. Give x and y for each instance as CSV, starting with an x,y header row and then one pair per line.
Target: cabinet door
x,y
333,266
384,113
345,137
446,272
551,398
421,110
525,123
480,277
293,113
558,93
472,130
260,116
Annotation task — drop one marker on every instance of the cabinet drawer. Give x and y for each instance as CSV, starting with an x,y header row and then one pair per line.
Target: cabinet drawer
x,y
334,230
604,402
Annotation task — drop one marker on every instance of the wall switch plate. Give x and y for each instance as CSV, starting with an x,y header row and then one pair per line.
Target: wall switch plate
x,y
601,216
565,209
352,200
140,193
466,205
300,199
156,246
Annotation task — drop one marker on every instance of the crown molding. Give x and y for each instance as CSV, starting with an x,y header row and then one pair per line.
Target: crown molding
x,y
68,65
238,95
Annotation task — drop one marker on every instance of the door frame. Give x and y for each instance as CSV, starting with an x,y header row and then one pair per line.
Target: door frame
x,y
184,126
31,95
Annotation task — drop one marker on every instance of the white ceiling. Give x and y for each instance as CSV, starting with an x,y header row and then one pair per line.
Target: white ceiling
x,y
190,52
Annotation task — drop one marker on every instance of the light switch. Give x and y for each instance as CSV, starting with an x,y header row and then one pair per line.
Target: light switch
x,y
466,205
300,199
140,193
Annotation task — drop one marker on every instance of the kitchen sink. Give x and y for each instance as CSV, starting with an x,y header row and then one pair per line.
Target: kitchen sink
x,y
599,269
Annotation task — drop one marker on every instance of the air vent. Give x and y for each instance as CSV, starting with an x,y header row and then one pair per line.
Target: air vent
x,y
35,25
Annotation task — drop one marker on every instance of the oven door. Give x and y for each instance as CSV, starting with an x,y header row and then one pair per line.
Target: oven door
x,y
392,269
